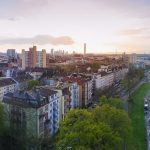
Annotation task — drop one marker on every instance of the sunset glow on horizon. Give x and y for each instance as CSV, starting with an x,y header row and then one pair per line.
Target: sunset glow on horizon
x,y
107,26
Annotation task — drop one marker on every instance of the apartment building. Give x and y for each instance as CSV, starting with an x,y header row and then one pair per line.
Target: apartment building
x,y
69,95
103,80
6,85
11,53
119,73
41,59
36,112
33,58
85,84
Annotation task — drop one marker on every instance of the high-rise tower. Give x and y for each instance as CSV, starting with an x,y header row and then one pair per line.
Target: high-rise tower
x,y
84,49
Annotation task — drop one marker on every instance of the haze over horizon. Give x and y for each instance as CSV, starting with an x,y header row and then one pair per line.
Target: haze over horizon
x,y
106,26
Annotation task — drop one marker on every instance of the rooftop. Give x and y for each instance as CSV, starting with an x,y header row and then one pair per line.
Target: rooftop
x,y
35,98
23,78
6,82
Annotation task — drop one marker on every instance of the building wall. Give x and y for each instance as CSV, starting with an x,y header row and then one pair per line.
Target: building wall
x,y
41,59
36,122
6,89
85,95
80,95
11,53
132,58
33,58
90,90
22,118
74,89
23,57
54,113
102,82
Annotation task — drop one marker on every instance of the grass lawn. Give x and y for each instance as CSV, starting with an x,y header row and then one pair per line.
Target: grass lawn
x,y
136,113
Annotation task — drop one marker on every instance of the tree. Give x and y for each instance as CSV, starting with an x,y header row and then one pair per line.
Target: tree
x,y
112,101
95,67
105,128
33,83
128,82
132,78
2,118
117,120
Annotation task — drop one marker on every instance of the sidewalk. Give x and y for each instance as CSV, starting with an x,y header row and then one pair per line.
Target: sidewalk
x,y
126,97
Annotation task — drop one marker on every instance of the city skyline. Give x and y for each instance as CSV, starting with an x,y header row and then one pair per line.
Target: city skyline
x,y
106,26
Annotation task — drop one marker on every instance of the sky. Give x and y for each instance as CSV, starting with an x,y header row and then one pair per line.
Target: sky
x,y
107,26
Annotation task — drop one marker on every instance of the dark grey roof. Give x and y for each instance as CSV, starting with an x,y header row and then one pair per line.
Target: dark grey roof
x,y
6,82
23,78
35,98
46,92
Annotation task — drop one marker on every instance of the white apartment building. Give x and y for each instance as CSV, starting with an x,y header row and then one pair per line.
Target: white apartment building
x,y
103,80
74,90
54,102
6,85
132,58
120,73
41,59
25,59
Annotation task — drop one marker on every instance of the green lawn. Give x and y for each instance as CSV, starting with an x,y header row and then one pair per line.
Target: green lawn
x,y
136,113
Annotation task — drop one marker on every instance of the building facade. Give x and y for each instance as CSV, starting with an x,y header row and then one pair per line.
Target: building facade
x,y
6,85
41,59
11,53
85,84
33,58
103,80
69,95
35,112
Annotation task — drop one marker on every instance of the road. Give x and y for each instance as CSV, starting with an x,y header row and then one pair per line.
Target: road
x,y
147,120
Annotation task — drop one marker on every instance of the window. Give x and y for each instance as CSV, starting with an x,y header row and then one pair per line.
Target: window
x,y
46,108
41,111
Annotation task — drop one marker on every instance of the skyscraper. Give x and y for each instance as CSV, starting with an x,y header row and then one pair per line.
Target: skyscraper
x,y
41,58
11,53
33,58
52,51
84,49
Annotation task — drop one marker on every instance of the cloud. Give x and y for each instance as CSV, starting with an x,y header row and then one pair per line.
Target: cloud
x,y
135,44
129,32
14,19
40,40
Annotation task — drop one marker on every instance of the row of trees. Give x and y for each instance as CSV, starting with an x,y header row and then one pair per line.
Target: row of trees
x,y
132,78
107,127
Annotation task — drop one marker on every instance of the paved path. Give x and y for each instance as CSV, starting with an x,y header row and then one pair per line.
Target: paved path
x,y
126,96
147,120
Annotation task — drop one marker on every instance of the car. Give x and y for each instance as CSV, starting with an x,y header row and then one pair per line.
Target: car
x,y
145,113
148,120
145,101
145,104
145,108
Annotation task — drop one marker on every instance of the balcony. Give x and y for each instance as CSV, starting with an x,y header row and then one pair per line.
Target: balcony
x,y
55,110
55,115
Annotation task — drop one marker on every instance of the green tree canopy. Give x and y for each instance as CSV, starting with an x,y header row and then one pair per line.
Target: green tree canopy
x,y
112,101
33,83
103,128
2,118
